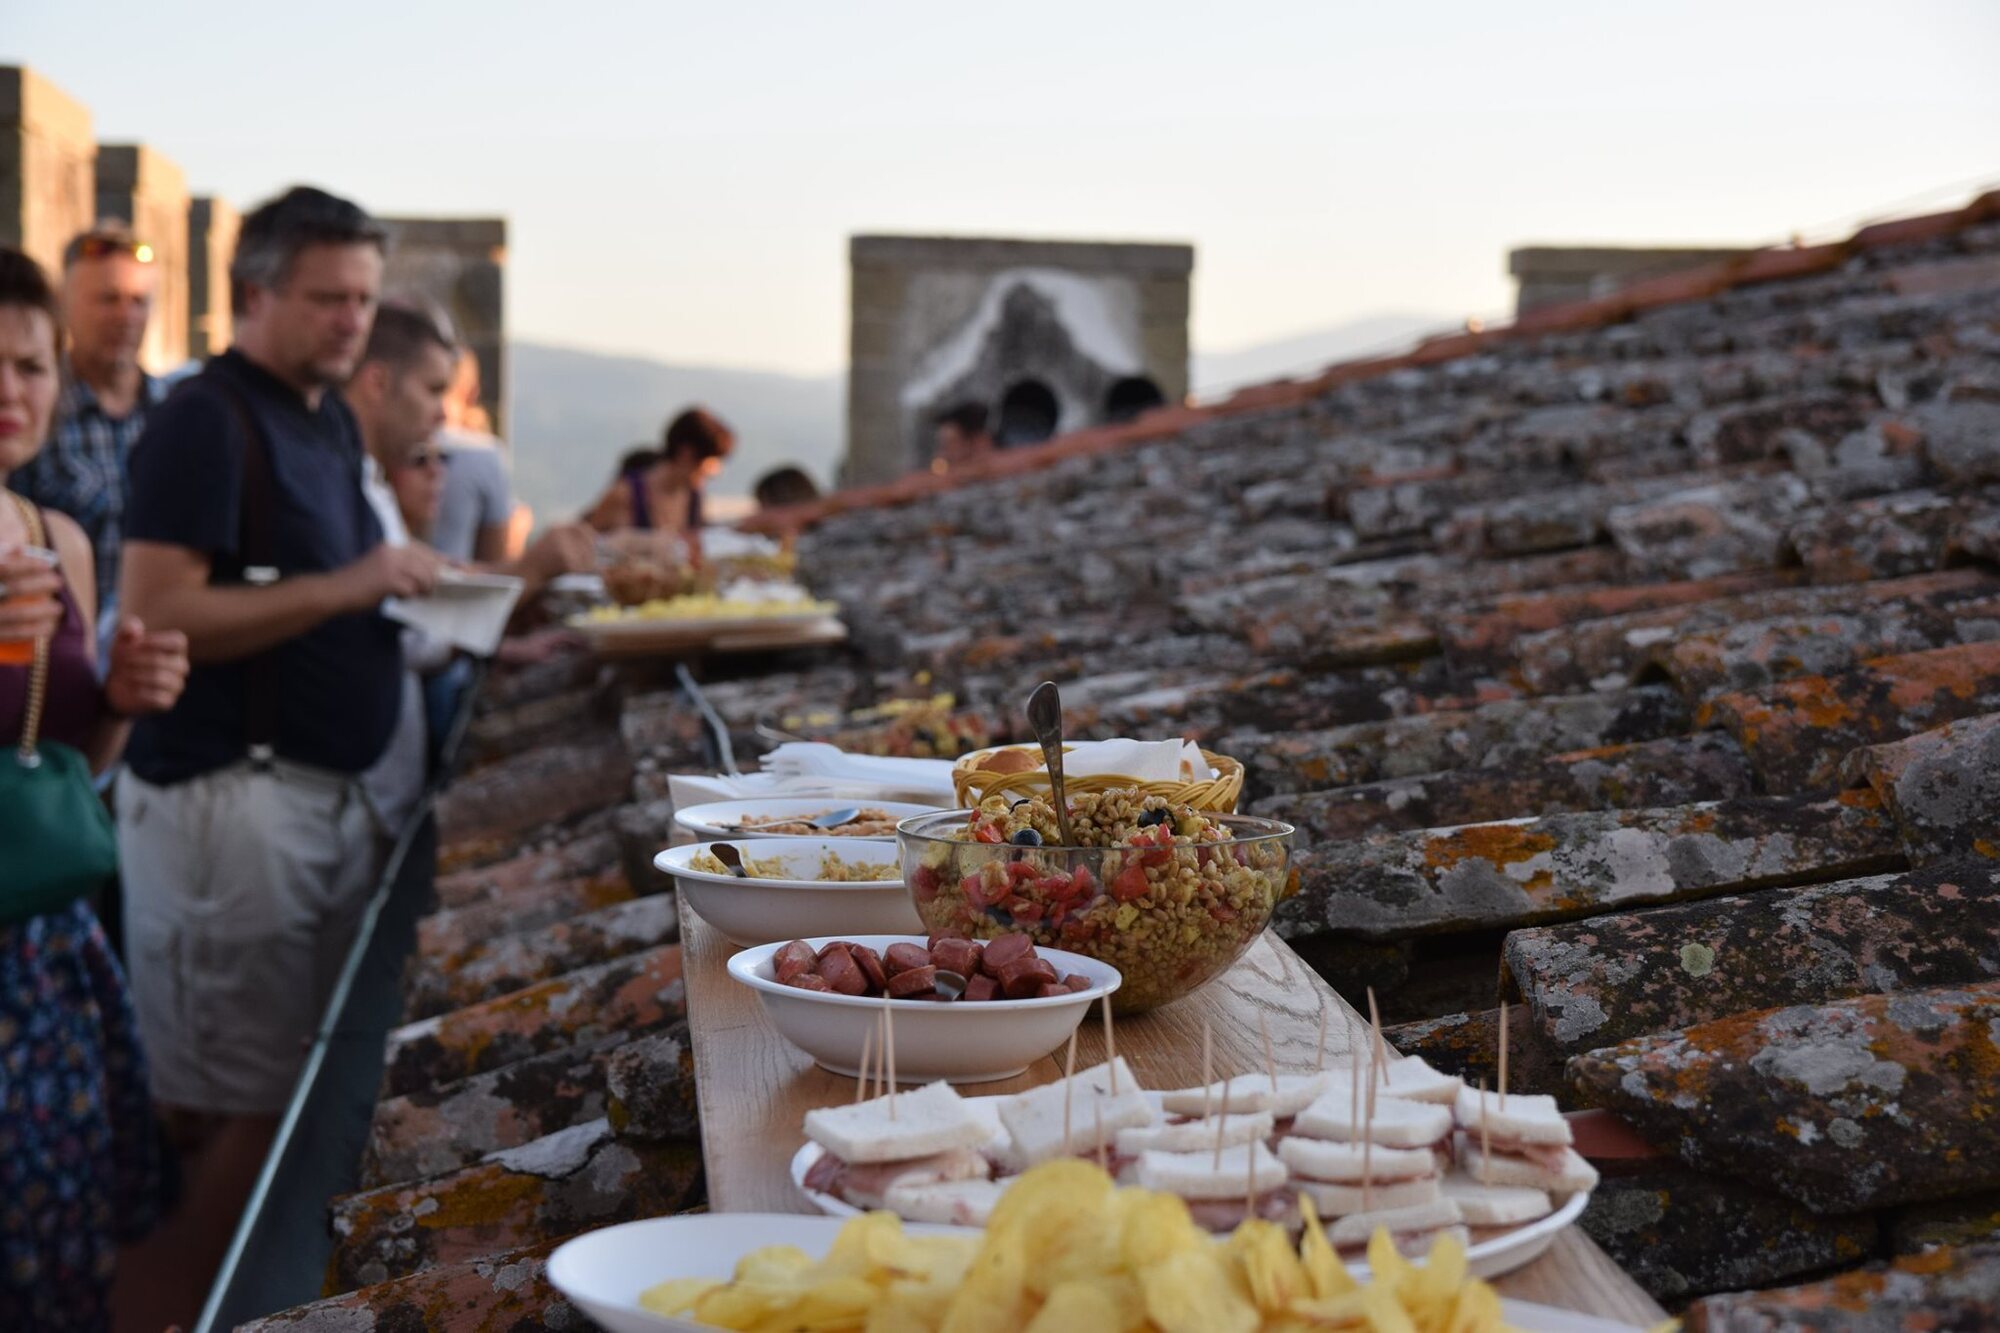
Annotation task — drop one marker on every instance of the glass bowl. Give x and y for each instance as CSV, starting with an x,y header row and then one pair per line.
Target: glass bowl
x,y
1171,917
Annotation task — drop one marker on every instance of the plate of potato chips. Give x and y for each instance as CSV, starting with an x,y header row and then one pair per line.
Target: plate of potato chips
x,y
1066,1251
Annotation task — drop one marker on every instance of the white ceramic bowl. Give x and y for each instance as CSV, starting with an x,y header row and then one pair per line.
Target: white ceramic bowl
x,y
718,819
760,911
962,1042
605,1272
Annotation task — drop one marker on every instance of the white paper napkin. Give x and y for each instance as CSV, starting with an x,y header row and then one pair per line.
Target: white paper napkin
x,y
918,780
468,611
1148,761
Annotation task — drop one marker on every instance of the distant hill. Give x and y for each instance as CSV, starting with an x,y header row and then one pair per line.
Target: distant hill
x,y
1216,373
576,412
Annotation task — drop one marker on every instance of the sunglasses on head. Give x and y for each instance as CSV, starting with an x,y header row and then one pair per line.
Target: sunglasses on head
x,y
97,247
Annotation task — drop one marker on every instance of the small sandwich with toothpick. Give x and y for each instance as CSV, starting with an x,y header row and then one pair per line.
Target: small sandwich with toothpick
x,y
1522,1141
873,1156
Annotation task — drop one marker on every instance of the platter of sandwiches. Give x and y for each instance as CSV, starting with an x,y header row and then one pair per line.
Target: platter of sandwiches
x,y
1431,1158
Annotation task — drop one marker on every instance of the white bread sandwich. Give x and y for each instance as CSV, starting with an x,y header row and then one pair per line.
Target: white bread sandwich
x,y
1245,1169
1283,1096
932,1119
1555,1169
1494,1205
1395,1124
1516,1118
1526,1143
1195,1135
1034,1119
953,1203
1412,1229
1415,1081
866,1152
1345,1178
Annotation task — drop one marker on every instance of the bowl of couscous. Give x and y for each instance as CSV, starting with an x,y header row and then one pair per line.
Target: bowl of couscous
x,y
1167,894
794,887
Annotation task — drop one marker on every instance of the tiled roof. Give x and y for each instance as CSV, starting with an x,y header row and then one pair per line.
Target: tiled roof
x,y
1643,656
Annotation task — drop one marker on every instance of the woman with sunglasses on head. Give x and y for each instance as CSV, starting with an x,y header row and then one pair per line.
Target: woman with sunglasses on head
x,y
80,1164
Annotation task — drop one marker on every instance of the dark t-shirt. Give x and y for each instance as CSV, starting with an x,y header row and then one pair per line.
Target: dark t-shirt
x,y
337,686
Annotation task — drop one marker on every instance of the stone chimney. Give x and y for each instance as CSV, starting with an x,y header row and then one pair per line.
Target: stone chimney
x,y
1047,336
1553,274
144,189
212,227
47,155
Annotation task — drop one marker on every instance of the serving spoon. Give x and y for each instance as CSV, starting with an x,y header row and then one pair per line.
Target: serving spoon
x,y
832,819
729,856
1045,718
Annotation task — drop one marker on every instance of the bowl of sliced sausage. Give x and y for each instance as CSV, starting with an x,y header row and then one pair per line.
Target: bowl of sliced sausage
x,y
966,1011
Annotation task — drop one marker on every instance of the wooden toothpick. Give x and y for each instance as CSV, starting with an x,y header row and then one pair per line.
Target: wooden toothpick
x,y
1207,1066
1503,1057
1381,1055
1069,1086
1249,1178
1353,1078
1097,1110
1220,1121
1485,1140
1110,1046
1368,1146
889,1040
1319,1064
861,1078
1270,1061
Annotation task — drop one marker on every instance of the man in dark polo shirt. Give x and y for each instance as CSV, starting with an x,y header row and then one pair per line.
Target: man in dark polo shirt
x,y
246,838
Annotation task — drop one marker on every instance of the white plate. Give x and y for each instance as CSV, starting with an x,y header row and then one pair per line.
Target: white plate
x,y
691,626
715,819
604,1272
1488,1258
771,911
977,1042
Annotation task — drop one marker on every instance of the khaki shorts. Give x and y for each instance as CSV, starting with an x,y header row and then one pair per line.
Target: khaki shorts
x,y
243,890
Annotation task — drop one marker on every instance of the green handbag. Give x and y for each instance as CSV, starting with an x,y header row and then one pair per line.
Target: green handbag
x,y
56,840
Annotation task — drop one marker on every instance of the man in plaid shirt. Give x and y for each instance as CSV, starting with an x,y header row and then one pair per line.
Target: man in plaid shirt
x,y
109,277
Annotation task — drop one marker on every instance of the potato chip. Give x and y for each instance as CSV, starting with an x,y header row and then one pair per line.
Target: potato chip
x,y
776,1265
1329,1276
994,1296
1271,1267
677,1295
1386,1265
1153,1227
1195,1292
1378,1301
1342,1311
1078,1306
1430,1293
1477,1310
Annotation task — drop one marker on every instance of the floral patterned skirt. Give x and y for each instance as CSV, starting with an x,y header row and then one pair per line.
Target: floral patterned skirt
x,y
80,1153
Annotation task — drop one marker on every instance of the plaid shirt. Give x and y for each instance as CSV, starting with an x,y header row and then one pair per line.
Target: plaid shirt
x,y
81,471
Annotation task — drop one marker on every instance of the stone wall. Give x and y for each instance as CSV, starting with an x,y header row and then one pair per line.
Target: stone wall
x,y
47,152
460,263
143,188
212,227
1553,274
939,321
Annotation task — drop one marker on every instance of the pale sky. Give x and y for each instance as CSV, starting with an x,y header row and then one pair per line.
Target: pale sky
x,y
681,179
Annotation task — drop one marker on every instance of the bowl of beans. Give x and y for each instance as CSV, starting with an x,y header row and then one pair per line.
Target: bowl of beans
x,y
963,1010
1167,894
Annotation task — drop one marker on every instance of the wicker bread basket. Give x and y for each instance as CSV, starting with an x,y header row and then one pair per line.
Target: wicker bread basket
x,y
974,784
